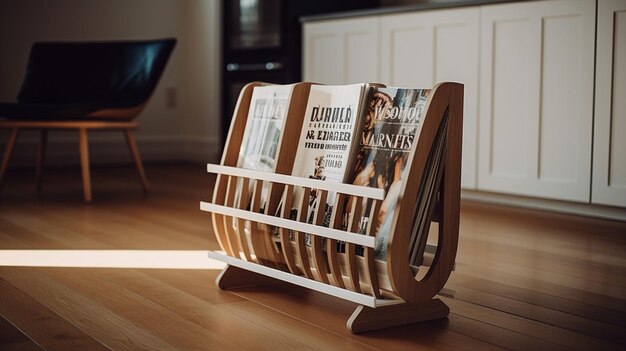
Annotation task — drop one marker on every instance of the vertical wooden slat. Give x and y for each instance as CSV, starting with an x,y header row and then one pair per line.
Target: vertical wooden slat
x,y
288,252
274,193
319,259
301,249
84,163
257,234
368,254
240,227
353,226
231,235
336,222
219,196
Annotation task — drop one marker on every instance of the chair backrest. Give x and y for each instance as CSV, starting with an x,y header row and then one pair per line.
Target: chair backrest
x,y
114,74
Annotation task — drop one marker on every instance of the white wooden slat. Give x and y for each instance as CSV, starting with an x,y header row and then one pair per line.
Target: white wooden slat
x,y
348,189
348,295
358,239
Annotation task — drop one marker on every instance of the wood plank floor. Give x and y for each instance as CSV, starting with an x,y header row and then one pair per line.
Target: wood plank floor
x,y
524,279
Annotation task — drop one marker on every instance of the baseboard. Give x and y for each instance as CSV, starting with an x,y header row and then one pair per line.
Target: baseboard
x,y
587,210
110,148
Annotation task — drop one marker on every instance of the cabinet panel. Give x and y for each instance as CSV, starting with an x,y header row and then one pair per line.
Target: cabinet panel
x,y
323,50
423,48
511,154
361,55
341,51
405,56
536,102
609,169
559,133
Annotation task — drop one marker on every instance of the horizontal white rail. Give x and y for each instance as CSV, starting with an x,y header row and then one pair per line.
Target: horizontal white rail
x,y
362,299
330,233
348,189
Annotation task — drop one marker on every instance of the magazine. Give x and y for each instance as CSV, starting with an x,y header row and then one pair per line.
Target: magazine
x,y
390,130
263,130
328,135
260,143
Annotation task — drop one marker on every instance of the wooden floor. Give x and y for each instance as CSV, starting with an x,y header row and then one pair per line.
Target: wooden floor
x,y
525,280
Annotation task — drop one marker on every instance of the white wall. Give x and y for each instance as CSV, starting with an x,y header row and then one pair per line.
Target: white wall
x,y
186,131
200,41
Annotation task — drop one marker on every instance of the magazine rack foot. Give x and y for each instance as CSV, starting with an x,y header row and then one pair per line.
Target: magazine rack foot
x,y
363,318
233,277
367,319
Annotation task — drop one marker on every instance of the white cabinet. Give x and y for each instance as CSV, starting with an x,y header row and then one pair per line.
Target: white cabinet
x,y
422,48
536,98
609,145
341,51
528,70
410,50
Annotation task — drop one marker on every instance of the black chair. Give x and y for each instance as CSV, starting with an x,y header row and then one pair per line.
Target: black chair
x,y
85,86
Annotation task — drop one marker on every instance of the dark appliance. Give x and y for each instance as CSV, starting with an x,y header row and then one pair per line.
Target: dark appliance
x,y
261,41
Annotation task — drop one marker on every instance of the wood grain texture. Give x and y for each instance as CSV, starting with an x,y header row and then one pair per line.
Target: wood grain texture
x,y
524,279
444,98
36,321
365,319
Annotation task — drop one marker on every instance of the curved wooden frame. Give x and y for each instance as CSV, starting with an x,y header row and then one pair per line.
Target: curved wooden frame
x,y
230,231
445,96
388,292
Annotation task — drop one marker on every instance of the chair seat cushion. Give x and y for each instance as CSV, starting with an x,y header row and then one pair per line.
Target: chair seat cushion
x,y
45,111
89,80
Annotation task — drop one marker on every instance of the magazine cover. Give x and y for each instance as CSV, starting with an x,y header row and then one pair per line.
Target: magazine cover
x,y
328,134
268,106
264,127
390,131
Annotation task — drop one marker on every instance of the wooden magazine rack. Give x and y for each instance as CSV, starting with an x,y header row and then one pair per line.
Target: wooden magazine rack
x,y
261,244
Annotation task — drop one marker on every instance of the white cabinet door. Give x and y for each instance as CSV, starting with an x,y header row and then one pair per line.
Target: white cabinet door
x,y
423,48
609,145
341,51
536,98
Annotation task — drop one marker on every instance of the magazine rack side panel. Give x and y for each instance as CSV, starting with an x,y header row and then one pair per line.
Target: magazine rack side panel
x,y
227,231
445,97
230,155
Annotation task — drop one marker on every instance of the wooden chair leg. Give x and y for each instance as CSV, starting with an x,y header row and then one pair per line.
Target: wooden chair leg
x,y
7,153
130,140
84,163
41,156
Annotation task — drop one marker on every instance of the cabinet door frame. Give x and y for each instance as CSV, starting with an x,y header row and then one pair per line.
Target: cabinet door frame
x,y
458,55
605,191
528,178
348,35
